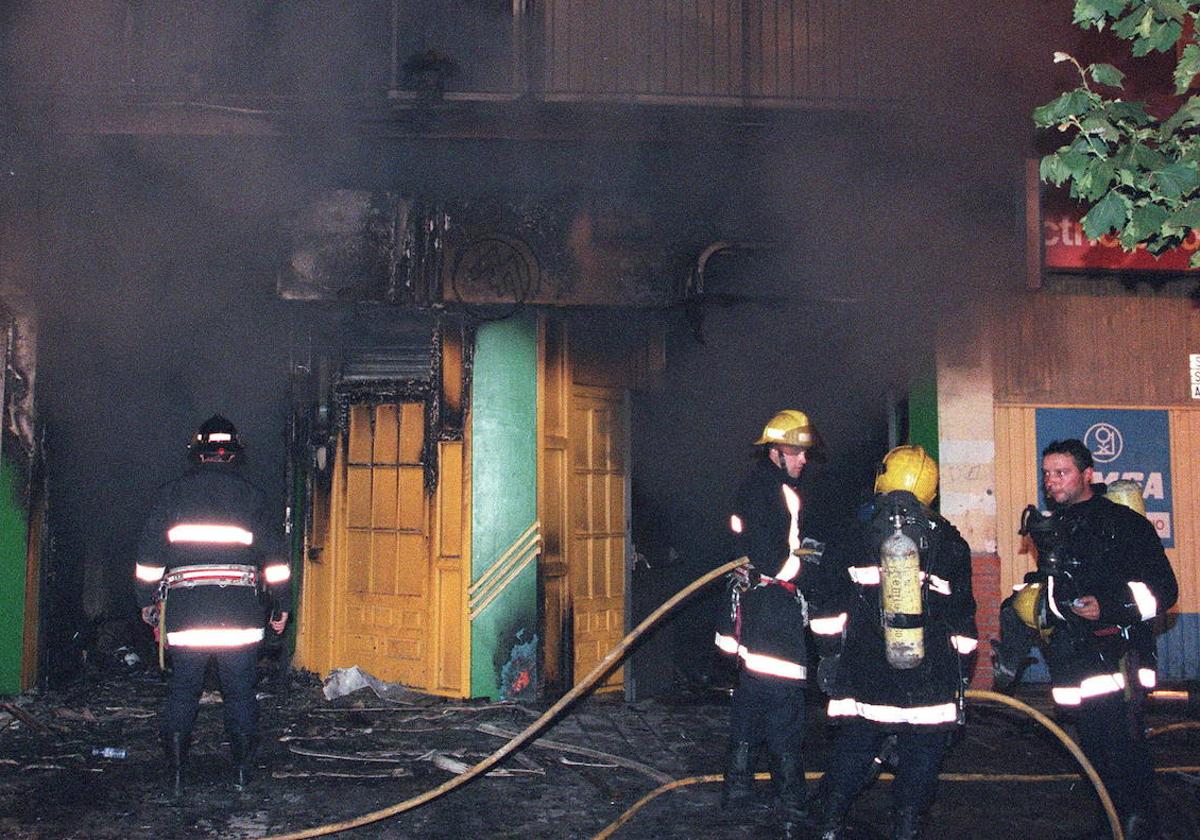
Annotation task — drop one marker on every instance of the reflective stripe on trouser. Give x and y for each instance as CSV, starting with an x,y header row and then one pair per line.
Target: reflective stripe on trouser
x,y
920,715
236,668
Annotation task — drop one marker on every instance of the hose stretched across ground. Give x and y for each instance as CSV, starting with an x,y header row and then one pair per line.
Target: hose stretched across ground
x,y
1113,821
610,661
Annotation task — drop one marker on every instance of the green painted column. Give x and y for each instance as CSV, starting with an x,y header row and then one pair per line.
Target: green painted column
x,y
923,411
504,538
13,540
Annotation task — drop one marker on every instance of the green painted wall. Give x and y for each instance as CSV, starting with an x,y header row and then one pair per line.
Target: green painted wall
x,y
13,538
504,501
922,411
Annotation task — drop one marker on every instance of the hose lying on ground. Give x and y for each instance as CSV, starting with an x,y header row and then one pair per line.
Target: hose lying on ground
x,y
610,661
615,657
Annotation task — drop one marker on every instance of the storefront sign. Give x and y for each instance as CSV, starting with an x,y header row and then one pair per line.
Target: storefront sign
x,y
1194,370
1067,249
1125,443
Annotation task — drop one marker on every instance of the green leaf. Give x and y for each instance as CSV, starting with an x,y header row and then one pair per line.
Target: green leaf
x,y
1136,23
1170,9
1188,114
1176,179
1186,68
1147,158
1070,104
1182,220
1143,223
1051,170
1194,262
1110,213
1096,124
1106,74
1090,13
1094,181
1130,112
1159,37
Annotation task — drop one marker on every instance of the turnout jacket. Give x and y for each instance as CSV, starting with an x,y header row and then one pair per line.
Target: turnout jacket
x,y
1114,554
763,622
848,623
209,550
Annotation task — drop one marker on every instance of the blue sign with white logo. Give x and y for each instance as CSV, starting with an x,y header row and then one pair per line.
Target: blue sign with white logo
x,y
1126,443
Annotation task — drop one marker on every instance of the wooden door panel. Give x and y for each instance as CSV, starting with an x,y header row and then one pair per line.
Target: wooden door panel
x,y
597,505
385,584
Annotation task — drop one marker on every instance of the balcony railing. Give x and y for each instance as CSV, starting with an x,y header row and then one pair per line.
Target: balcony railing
x,y
705,52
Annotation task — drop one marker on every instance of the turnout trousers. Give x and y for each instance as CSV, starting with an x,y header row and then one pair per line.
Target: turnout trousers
x,y
770,710
237,672
919,755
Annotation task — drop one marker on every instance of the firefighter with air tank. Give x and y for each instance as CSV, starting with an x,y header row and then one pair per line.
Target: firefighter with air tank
x,y
764,621
1102,577
894,620
209,556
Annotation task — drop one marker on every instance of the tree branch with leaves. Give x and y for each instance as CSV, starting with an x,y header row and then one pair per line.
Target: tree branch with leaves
x,y
1138,171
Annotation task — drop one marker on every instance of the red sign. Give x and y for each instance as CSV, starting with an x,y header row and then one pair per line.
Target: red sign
x,y
1068,249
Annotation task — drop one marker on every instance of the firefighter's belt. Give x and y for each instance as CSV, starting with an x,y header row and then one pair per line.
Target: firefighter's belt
x,y
786,584
185,577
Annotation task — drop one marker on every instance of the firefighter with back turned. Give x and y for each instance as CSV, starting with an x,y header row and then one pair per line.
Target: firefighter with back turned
x,y
764,621
209,554
896,630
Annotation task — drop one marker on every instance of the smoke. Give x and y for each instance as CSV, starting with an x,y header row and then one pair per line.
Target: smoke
x,y
884,232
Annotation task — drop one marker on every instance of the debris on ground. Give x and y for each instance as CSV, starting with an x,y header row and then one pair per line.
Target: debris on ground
x,y
325,760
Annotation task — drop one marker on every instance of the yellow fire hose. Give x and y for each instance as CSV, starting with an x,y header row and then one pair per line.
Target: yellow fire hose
x,y
610,661
618,654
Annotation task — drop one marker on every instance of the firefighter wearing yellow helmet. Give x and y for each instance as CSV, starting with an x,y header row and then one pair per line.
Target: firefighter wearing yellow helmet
x,y
908,468
895,643
764,621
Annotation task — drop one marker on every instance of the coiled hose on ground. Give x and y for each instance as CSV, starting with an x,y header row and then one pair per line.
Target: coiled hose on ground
x,y
613,658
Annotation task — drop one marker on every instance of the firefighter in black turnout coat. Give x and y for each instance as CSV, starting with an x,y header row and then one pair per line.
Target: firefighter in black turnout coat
x,y
764,621
208,555
896,628
1102,577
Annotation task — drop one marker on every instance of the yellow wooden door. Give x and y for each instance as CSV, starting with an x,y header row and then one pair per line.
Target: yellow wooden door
x,y
597,525
383,612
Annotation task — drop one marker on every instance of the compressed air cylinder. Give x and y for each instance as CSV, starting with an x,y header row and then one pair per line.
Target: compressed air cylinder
x,y
903,617
1129,493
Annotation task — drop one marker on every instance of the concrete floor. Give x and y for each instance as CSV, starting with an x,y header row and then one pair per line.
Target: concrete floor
x,y
326,761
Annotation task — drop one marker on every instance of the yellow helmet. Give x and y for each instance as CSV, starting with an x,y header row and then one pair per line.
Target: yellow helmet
x,y
790,427
908,468
1030,605
1129,493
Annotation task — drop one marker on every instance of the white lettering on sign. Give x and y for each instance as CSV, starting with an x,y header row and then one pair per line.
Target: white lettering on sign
x,y
1152,485
1161,520
1194,367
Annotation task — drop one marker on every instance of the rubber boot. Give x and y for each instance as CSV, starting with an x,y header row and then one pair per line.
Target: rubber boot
x,y
787,774
738,776
175,745
791,803
833,820
242,747
906,824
